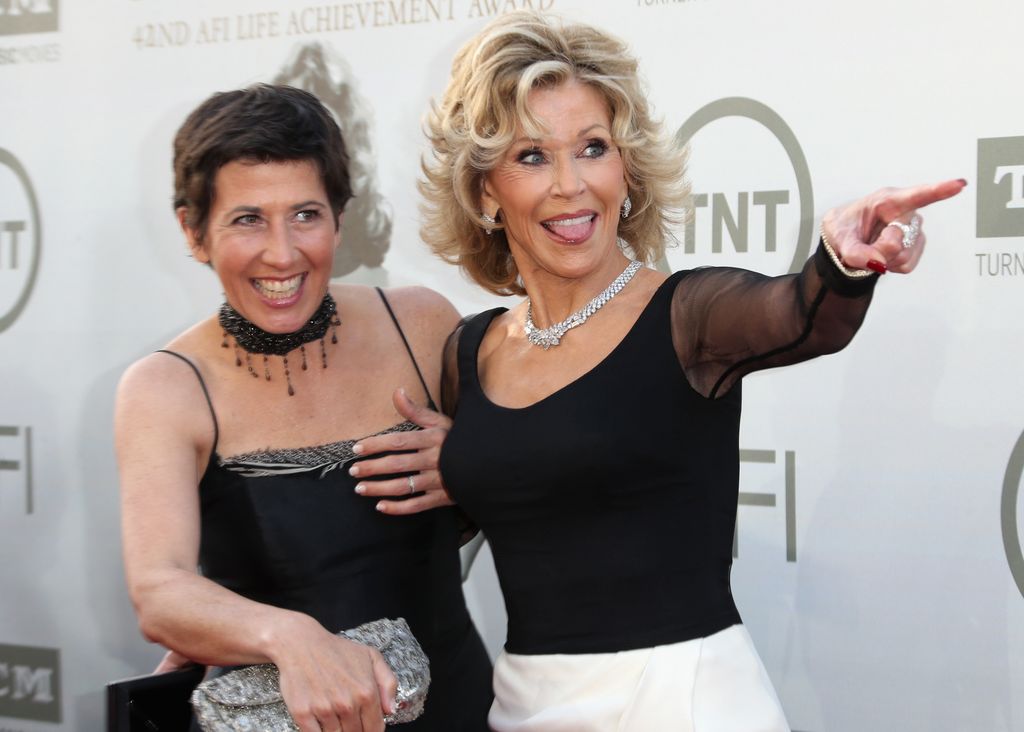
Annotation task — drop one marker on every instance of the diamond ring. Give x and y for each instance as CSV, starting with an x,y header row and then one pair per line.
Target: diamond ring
x,y
412,484
910,231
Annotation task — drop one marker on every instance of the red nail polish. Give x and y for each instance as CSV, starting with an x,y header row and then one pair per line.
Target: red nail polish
x,y
962,180
876,266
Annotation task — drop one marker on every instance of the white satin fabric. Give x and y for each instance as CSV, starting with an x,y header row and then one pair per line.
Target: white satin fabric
x,y
713,684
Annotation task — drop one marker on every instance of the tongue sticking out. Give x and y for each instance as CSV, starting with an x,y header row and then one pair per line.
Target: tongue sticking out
x,y
571,230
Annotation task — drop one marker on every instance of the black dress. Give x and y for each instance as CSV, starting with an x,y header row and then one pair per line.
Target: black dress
x,y
610,505
286,528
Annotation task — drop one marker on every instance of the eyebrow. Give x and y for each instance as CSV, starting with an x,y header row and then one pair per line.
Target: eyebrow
x,y
257,209
307,204
582,133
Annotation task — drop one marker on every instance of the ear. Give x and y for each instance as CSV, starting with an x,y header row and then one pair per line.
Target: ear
x,y
192,238
488,202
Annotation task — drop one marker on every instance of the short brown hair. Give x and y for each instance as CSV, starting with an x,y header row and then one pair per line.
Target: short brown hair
x,y
264,123
485,103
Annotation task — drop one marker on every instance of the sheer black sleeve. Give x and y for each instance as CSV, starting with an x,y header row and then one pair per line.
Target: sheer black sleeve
x,y
449,404
727,322
450,370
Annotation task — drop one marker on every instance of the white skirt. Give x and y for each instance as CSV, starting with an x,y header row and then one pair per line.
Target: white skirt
x,y
713,684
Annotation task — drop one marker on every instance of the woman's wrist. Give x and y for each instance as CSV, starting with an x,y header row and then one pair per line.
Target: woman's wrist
x,y
281,631
853,274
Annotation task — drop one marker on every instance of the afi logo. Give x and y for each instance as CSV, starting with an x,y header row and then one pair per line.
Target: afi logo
x,y
1000,187
27,16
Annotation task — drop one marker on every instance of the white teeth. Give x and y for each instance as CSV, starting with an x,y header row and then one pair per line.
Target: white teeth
x,y
279,289
571,222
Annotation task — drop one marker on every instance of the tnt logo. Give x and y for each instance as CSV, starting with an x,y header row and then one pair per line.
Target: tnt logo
x,y
30,683
752,202
1000,187
1011,512
20,237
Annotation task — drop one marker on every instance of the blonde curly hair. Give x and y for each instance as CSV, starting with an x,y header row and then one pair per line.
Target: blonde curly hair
x,y
484,107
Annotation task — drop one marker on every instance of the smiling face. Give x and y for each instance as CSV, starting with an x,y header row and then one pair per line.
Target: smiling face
x,y
560,195
270,237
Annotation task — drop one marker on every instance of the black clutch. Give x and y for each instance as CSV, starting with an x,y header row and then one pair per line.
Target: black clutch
x,y
153,703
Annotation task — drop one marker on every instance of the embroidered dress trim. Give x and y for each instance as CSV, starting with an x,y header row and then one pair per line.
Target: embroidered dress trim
x,y
290,460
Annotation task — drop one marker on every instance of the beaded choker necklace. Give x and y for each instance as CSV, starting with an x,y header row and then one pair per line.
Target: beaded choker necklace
x,y
253,339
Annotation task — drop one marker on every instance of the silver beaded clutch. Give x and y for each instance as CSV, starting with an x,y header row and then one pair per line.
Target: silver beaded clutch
x,y
249,699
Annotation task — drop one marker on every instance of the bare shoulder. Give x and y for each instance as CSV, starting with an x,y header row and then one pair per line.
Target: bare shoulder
x,y
160,393
425,303
424,310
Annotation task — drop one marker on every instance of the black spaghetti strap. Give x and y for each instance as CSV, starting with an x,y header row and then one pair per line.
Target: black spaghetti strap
x,y
430,399
206,393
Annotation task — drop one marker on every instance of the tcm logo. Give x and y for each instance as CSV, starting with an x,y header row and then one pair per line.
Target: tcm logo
x,y
30,683
1000,187
20,238
753,205
28,16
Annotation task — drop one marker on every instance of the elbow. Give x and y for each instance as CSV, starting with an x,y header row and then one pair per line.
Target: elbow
x,y
146,619
146,601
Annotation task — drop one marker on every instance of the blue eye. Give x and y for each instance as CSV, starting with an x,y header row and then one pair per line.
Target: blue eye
x,y
595,149
533,156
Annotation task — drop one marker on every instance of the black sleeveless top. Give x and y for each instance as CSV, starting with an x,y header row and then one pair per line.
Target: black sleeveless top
x,y
286,528
610,505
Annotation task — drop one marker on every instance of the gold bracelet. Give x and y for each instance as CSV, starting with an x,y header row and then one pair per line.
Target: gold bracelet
x,y
853,274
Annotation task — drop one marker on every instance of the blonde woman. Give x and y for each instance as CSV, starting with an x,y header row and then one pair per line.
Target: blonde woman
x,y
596,422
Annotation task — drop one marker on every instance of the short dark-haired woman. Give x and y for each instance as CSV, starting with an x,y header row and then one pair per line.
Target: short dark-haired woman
x,y
235,442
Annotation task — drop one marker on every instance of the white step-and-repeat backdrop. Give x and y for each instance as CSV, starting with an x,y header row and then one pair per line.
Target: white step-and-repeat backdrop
x,y
879,559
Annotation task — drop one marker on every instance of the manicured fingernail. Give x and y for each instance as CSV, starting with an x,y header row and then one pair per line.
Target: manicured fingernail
x,y
876,266
380,507
354,470
963,181
360,489
357,449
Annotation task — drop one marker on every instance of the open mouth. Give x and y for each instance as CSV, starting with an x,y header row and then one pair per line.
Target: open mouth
x,y
571,229
278,289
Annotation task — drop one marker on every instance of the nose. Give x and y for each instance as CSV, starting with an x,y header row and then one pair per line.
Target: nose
x,y
568,183
279,248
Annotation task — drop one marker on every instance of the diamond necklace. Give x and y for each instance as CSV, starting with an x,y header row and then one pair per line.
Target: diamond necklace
x,y
552,335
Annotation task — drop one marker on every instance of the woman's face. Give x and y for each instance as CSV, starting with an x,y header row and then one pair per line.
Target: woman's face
x,y
270,238
560,195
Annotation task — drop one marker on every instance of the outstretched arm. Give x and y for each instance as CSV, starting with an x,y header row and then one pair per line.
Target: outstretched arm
x,y
729,322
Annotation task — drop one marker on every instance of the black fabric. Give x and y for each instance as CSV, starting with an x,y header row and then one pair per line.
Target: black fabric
x,y
309,543
610,505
